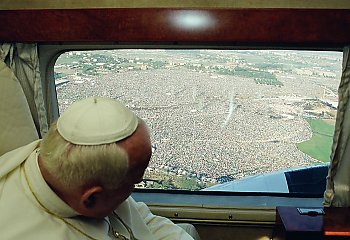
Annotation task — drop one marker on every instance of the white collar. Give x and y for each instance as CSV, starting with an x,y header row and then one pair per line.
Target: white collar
x,y
42,190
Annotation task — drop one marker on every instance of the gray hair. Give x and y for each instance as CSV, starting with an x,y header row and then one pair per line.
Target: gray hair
x,y
78,165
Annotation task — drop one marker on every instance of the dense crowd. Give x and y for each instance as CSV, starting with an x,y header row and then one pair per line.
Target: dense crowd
x,y
205,125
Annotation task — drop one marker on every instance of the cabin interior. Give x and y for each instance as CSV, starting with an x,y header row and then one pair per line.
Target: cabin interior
x,y
33,35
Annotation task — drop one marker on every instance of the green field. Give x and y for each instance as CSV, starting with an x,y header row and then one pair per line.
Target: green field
x,y
319,146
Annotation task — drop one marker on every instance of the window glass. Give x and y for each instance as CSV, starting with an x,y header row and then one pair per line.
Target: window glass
x,y
217,117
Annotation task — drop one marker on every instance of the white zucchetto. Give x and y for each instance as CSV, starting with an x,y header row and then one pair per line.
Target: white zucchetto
x,y
95,121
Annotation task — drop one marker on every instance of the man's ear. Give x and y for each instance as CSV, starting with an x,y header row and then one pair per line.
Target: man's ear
x,y
90,196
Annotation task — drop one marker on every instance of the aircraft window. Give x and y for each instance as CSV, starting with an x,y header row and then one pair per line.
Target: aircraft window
x,y
220,120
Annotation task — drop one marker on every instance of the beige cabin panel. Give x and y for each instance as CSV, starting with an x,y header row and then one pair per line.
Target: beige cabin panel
x,y
16,124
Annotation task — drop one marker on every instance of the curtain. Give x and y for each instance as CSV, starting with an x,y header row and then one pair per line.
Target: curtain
x,y
337,192
23,60
22,109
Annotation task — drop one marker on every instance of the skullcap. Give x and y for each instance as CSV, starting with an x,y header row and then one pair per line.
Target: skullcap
x,y
95,121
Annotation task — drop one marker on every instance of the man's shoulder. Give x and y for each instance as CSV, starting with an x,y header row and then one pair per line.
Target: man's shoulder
x,y
14,158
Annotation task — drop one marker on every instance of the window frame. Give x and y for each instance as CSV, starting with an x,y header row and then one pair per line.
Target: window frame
x,y
279,28
48,56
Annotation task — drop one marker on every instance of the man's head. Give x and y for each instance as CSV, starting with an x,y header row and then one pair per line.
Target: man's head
x,y
94,155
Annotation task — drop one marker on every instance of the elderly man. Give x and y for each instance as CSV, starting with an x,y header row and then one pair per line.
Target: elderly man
x,y
76,182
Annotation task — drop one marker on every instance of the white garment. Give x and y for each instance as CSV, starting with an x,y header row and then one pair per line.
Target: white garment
x,y
43,215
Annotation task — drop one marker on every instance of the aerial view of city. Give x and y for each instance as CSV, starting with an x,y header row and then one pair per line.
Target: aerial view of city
x,y
215,115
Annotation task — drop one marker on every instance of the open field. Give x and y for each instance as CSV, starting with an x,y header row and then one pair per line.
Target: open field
x,y
319,146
